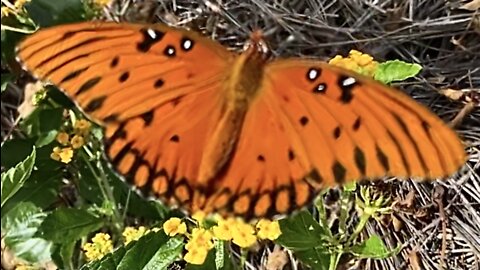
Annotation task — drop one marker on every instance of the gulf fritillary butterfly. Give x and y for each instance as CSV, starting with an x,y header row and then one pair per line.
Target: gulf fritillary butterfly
x,y
192,123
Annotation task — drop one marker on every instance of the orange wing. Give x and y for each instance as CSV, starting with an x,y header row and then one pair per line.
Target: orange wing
x,y
145,84
313,125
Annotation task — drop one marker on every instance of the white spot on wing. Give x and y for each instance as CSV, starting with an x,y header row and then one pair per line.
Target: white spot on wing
x,y
152,33
171,51
187,44
312,74
349,81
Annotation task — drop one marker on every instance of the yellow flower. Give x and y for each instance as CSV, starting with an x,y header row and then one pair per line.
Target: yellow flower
x,y
62,138
66,155
200,238
77,141
243,234
20,3
174,226
101,3
82,127
131,234
223,229
99,247
199,216
55,155
6,11
267,229
196,256
356,61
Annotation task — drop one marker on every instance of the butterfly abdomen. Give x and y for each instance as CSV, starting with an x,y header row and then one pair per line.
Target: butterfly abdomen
x,y
242,85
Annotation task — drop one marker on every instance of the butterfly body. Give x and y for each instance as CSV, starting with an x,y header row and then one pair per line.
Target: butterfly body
x,y
194,124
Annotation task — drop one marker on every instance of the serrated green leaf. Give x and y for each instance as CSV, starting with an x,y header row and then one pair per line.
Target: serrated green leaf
x,y
373,248
396,70
19,226
14,178
41,189
66,225
300,232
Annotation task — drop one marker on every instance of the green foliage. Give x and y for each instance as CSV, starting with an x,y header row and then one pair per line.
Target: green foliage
x,y
396,70
14,178
6,78
19,228
317,246
48,13
152,251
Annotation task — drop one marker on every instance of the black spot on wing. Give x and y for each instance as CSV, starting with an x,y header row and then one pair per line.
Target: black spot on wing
x,y
115,62
175,138
147,117
382,158
95,104
88,85
346,84
360,161
73,75
337,132
304,120
124,77
339,172
150,38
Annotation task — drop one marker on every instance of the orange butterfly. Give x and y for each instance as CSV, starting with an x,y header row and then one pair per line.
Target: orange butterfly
x,y
192,123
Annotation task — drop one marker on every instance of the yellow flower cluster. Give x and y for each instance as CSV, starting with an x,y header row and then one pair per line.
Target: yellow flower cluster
x,y
133,234
101,245
357,61
201,240
77,140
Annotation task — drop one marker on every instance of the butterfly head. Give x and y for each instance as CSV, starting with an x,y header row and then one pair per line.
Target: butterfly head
x,y
257,47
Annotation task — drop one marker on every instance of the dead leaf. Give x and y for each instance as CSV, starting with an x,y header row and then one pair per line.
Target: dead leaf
x,y
277,259
472,6
27,106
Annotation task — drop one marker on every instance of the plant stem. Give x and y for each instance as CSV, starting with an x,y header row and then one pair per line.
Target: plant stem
x,y
359,228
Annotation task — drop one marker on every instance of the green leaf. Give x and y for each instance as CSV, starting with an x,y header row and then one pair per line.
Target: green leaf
x,y
109,261
300,232
43,123
15,151
66,253
317,258
373,248
223,258
41,189
19,226
14,178
143,251
396,70
6,78
53,12
8,43
66,225
166,255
